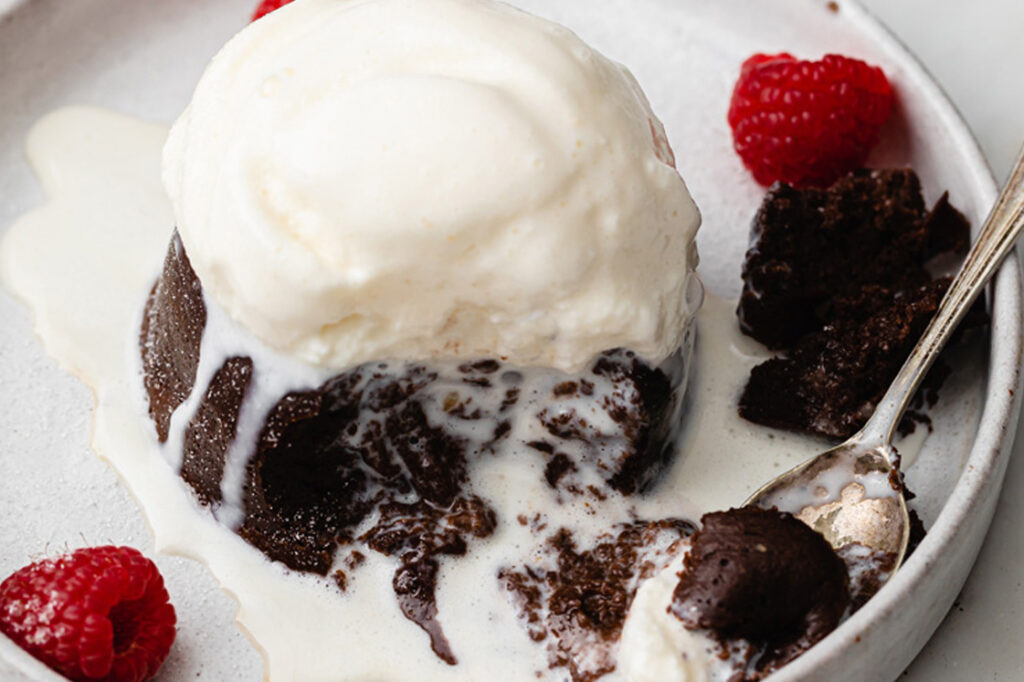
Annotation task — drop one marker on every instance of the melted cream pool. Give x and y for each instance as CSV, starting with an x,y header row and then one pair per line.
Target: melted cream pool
x,y
84,263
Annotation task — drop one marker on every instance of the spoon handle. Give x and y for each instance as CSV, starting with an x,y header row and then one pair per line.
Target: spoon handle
x,y
996,239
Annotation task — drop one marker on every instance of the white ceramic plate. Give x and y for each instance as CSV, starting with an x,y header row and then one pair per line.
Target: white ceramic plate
x,y
144,58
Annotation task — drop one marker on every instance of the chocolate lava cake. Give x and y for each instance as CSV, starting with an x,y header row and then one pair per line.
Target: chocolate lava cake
x,y
393,443
379,458
838,279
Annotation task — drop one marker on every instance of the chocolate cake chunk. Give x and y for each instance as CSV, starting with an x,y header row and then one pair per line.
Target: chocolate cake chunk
x,y
646,414
810,246
212,429
763,576
831,381
297,509
643,401
576,600
838,278
172,330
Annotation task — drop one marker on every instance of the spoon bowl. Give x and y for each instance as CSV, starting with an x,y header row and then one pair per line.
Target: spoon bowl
x,y
850,494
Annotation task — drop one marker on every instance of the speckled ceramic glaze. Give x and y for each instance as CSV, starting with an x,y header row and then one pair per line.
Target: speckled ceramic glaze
x,y
144,58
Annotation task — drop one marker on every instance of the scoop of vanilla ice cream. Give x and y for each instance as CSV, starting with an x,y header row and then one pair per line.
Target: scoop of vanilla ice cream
x,y
367,179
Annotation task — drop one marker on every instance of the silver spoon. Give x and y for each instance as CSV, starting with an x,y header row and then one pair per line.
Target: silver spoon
x,y
852,493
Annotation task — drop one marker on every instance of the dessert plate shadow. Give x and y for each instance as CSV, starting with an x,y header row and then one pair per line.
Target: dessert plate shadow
x,y
144,58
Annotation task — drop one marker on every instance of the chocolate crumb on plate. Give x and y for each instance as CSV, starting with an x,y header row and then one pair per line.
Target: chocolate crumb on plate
x,y
575,599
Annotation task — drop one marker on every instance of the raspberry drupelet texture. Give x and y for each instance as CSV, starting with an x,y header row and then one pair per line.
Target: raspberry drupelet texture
x,y
807,122
268,6
96,614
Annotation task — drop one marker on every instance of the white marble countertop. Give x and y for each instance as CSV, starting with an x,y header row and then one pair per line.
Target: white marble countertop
x,y
976,52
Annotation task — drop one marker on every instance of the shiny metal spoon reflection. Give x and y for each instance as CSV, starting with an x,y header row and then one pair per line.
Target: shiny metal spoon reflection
x,y
852,493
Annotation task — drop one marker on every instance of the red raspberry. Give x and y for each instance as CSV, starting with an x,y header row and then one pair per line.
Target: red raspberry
x,y
268,6
99,613
807,123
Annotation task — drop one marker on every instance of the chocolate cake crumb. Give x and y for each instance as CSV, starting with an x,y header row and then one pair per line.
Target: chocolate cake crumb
x,y
558,466
172,330
917,530
576,600
868,569
354,560
763,576
486,366
565,388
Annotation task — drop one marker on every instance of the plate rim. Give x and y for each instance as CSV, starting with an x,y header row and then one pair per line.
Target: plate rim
x,y
984,468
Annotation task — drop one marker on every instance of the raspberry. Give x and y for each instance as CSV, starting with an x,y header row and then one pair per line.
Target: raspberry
x,y
807,123
96,614
268,6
